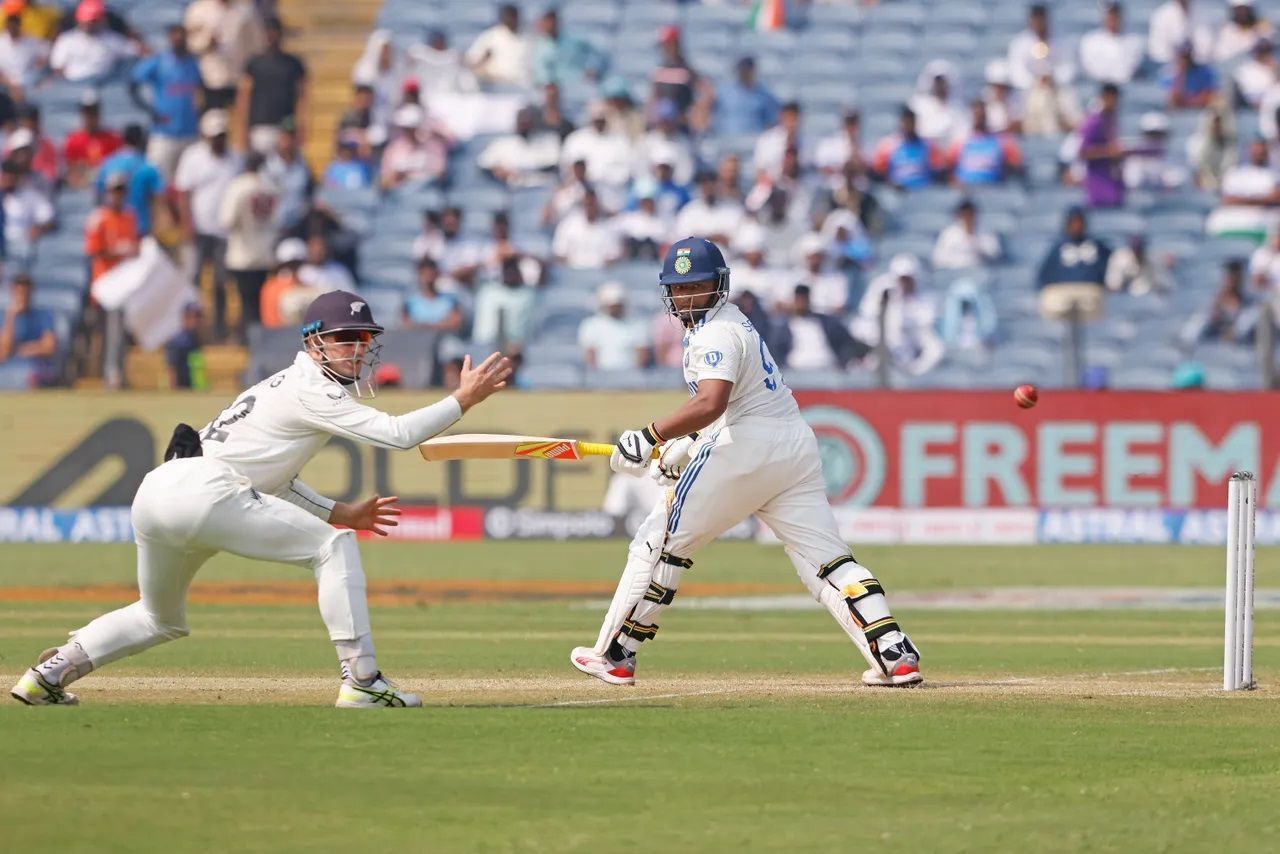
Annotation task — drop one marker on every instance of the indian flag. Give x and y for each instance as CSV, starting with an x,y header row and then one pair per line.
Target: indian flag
x,y
767,15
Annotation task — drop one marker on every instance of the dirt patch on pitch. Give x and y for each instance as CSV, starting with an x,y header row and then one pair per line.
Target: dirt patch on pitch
x,y
578,692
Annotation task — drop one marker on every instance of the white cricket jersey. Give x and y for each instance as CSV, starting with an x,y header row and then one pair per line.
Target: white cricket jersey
x,y
274,428
728,347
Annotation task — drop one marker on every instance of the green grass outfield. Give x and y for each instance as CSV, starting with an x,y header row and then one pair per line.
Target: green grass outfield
x,y
1040,730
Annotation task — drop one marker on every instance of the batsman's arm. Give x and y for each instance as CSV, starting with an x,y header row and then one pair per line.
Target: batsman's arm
x,y
698,412
342,416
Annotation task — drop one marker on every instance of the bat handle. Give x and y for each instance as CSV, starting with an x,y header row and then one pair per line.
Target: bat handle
x,y
601,449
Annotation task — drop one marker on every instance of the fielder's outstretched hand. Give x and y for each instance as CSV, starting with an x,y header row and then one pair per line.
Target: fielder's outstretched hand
x,y
373,514
476,384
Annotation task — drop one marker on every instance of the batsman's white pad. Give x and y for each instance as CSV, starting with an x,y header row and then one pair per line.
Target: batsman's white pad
x,y
642,560
836,605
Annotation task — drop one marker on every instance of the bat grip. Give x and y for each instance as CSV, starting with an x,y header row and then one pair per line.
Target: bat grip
x,y
601,449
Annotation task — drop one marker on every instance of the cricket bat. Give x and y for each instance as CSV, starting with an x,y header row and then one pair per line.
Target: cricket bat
x,y
496,446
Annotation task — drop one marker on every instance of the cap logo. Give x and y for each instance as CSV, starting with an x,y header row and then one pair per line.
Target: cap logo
x,y
356,308
685,250
683,265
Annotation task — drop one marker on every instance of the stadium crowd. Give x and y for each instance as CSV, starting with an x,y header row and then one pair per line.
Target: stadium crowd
x,y
217,176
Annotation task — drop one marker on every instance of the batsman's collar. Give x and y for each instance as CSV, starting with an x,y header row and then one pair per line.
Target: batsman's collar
x,y
338,310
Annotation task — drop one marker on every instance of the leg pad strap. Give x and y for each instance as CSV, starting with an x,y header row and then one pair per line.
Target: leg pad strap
x,y
832,565
683,563
659,594
641,633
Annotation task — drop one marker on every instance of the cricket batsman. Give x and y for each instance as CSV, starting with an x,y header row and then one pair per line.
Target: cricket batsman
x,y
738,446
234,487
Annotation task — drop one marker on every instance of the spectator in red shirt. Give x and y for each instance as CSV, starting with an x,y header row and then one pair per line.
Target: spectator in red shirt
x,y
86,148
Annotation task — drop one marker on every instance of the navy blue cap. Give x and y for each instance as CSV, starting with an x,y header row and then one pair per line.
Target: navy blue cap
x,y
338,310
692,259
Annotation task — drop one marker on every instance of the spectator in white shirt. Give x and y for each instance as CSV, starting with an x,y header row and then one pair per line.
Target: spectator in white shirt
x,y
438,67
526,158
753,273
1108,54
28,215
1174,24
224,35
322,272
1250,205
1238,35
204,172
1211,150
459,257
910,317
567,196
419,152
500,54
709,215
1258,74
1034,53
608,155
828,289
939,110
1052,107
772,145
248,215
842,148
1004,105
805,339
1147,166
666,143
90,52
611,341
1264,266
22,58
586,239
644,230
1132,269
961,246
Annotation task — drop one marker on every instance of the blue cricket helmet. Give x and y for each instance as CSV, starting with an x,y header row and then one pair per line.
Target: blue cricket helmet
x,y
694,259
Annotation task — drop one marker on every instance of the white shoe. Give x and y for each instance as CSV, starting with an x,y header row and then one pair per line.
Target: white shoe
x,y
34,691
379,692
901,663
592,663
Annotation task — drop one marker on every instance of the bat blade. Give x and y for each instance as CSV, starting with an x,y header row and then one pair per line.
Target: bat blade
x,y
497,446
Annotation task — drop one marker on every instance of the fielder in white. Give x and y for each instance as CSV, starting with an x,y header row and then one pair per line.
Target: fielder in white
x,y
234,487
738,446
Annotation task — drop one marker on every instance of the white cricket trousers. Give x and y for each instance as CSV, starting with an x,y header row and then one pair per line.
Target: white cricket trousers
x,y
760,466
186,511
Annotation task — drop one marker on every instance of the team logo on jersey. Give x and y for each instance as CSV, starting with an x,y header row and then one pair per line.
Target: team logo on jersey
x,y
356,308
713,358
683,265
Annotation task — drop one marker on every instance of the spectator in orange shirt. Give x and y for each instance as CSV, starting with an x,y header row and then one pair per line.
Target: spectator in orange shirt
x,y
85,148
111,234
284,297
983,157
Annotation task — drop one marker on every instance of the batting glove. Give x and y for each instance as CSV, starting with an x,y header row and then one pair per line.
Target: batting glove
x,y
669,465
633,451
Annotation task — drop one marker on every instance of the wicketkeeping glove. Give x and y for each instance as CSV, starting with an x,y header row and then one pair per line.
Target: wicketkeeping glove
x,y
672,459
633,451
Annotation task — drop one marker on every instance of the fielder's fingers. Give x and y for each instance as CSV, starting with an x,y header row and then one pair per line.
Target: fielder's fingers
x,y
500,369
466,363
487,364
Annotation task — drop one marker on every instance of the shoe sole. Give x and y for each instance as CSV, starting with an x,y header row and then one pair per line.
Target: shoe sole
x,y
909,681
342,705
605,677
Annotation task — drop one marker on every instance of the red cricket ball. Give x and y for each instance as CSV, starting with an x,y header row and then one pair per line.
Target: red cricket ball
x,y
1026,396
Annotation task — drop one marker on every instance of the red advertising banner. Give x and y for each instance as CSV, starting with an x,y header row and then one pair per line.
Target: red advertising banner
x,y
1076,449
432,524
